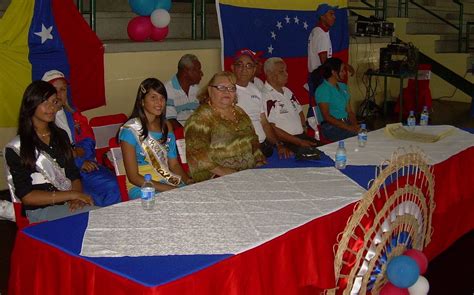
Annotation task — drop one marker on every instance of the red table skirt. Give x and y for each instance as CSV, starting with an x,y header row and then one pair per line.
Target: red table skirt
x,y
298,262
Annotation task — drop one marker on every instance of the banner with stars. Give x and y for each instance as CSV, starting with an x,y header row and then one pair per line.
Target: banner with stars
x,y
42,35
279,28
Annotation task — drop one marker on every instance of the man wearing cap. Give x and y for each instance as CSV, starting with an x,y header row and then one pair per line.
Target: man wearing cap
x,y
319,46
182,90
249,98
284,112
319,43
98,182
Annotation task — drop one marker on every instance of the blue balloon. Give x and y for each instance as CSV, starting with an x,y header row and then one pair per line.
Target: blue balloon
x,y
163,4
403,271
142,7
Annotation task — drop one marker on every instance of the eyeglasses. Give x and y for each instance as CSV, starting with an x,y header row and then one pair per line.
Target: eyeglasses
x,y
223,88
247,66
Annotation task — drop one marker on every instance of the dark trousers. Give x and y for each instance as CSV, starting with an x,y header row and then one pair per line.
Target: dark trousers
x,y
334,133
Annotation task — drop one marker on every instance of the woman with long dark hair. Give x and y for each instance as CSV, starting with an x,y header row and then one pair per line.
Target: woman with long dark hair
x,y
338,121
41,169
97,181
148,143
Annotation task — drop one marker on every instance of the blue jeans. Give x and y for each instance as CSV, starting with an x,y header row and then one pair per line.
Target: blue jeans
x,y
334,133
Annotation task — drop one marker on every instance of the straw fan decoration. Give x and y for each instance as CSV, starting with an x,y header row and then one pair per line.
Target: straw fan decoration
x,y
380,250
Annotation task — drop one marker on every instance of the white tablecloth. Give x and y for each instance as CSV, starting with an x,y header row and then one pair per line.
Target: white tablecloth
x,y
381,147
227,215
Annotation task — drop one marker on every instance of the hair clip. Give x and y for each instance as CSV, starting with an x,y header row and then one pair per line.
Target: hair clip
x,y
142,89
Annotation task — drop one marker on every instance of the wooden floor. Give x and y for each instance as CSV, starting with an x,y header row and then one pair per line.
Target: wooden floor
x,y
451,273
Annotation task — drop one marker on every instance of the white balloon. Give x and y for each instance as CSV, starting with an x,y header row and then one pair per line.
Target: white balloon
x,y
160,18
421,287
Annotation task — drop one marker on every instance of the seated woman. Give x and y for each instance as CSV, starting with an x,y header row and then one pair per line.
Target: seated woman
x,y
40,165
148,143
98,181
337,119
220,138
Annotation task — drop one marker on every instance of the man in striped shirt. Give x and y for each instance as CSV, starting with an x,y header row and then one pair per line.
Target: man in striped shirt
x,y
182,90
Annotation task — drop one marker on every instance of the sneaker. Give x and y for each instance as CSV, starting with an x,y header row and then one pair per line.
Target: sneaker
x,y
6,210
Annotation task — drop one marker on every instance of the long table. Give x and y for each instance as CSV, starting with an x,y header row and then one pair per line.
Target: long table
x,y
48,258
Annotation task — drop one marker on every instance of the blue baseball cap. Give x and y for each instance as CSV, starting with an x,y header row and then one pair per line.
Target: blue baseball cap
x,y
323,9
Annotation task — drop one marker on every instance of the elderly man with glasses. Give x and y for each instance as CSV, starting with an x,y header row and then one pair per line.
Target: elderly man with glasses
x,y
284,112
249,98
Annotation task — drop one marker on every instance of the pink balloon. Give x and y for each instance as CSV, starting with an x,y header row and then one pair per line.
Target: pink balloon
x,y
139,28
420,259
390,289
159,34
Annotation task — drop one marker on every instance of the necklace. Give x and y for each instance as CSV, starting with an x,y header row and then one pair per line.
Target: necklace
x,y
43,134
235,120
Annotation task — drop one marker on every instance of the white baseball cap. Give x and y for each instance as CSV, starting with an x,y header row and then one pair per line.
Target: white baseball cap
x,y
52,75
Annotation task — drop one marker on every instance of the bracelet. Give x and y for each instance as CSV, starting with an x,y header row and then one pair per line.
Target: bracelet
x,y
54,196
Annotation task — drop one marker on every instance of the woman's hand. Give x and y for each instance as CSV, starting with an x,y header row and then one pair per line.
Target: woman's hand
x,y
79,201
163,187
188,181
355,128
78,152
89,166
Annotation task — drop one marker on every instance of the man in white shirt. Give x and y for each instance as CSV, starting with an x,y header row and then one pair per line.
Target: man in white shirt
x,y
250,100
319,43
182,90
283,110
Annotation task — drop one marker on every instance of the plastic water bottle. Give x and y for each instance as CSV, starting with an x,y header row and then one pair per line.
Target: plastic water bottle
x,y
341,156
362,136
424,117
411,121
148,193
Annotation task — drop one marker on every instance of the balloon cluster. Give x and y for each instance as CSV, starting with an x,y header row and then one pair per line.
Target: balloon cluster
x,y
152,21
404,274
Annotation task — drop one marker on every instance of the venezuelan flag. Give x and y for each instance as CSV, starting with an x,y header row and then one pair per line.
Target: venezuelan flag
x,y
280,28
38,36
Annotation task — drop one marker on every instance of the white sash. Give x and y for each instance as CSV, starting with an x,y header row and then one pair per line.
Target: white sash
x,y
48,170
156,154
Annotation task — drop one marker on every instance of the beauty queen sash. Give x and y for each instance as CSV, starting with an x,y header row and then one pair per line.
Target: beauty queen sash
x,y
156,153
48,170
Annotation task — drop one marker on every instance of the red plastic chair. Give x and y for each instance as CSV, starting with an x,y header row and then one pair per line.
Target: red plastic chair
x,y
21,221
115,155
424,93
104,128
315,133
181,145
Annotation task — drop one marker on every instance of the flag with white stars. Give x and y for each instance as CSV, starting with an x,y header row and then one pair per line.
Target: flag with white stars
x,y
279,28
41,35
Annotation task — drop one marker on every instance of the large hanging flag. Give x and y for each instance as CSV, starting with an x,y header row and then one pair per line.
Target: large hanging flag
x,y
279,28
42,35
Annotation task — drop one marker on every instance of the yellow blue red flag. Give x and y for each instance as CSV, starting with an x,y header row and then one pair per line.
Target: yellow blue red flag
x,y
42,35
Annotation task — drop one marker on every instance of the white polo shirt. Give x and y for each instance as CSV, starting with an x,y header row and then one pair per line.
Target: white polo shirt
x,y
283,109
319,41
179,105
250,100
